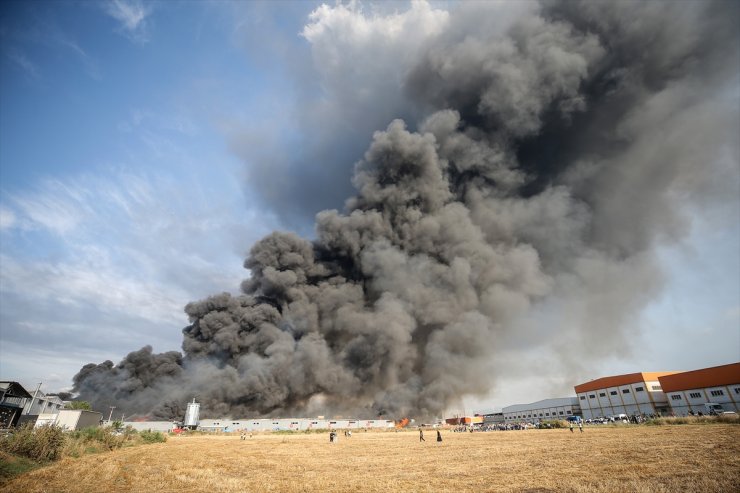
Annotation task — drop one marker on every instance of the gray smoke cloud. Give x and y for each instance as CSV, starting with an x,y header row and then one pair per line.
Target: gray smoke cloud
x,y
558,145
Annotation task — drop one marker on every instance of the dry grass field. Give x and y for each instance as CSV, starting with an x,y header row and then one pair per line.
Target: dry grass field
x,y
696,458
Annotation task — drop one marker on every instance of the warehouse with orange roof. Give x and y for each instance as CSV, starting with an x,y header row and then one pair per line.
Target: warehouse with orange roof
x,y
690,391
632,393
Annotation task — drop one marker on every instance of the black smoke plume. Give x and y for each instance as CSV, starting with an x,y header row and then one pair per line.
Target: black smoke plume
x,y
556,151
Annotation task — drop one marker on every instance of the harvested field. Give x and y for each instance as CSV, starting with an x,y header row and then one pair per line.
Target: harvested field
x,y
603,459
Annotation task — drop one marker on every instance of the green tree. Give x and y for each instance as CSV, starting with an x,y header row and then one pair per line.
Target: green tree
x,y
84,405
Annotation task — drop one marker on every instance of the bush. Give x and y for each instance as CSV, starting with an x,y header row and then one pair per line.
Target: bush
x,y
42,444
94,438
548,424
152,437
84,405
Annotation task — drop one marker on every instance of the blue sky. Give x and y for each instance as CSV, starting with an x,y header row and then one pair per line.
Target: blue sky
x,y
139,147
121,200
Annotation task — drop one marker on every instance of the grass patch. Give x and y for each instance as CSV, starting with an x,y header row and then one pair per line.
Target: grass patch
x,y
727,419
13,465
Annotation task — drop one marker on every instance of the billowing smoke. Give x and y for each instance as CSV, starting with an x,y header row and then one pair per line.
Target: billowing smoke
x,y
557,146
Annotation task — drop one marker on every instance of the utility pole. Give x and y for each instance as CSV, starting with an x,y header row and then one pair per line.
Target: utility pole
x,y
111,413
36,393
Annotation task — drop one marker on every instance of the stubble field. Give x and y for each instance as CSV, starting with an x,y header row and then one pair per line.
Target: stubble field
x,y
602,459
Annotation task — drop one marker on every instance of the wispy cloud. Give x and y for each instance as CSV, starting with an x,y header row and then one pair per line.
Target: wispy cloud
x,y
91,66
132,14
7,218
117,253
23,62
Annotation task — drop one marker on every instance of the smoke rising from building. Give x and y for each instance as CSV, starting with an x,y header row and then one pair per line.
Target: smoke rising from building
x,y
557,146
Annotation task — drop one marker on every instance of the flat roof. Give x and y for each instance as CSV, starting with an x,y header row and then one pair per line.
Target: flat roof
x,y
543,404
617,380
715,376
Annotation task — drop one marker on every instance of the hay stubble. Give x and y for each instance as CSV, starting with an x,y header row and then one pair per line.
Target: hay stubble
x,y
639,459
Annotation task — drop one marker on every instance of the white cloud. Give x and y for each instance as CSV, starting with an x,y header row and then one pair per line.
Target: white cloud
x,y
133,18
105,263
7,218
91,66
22,61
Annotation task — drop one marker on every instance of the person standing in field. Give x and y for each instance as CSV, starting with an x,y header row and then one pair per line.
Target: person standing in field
x,y
571,426
580,425
421,435
439,436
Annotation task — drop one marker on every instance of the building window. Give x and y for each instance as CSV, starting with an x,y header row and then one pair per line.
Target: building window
x,y
676,397
613,392
560,412
737,390
656,387
625,391
583,397
592,396
567,412
602,394
639,389
717,393
547,414
695,395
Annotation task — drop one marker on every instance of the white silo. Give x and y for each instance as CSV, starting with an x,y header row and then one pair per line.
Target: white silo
x,y
191,415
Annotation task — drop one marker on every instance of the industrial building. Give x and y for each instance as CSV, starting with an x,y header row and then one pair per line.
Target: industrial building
x,y
493,419
161,426
12,401
291,424
633,393
465,421
689,391
547,409
42,403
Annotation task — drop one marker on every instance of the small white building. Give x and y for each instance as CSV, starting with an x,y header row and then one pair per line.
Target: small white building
x,y
77,419
633,393
544,410
689,391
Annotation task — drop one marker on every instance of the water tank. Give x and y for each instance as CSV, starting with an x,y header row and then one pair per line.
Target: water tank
x,y
191,414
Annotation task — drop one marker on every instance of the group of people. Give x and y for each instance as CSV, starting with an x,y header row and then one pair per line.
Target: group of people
x,y
580,425
421,435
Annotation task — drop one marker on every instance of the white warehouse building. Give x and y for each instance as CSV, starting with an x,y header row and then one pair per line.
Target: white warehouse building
x,y
548,409
690,391
291,424
633,393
